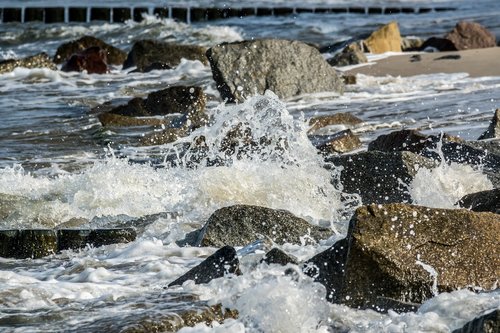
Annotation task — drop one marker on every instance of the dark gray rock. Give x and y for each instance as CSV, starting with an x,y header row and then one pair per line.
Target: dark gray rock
x,y
328,268
484,201
114,55
493,130
242,224
488,323
145,53
440,44
40,60
378,177
409,253
276,256
223,261
288,68
348,58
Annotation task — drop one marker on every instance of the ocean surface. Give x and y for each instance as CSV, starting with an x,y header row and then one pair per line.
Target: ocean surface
x,y
58,164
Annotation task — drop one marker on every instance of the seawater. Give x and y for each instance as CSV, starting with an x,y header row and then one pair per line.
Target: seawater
x,y
59,165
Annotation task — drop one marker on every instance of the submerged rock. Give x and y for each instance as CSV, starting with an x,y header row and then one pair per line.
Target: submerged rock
x,y
410,253
484,201
242,224
278,257
493,130
114,55
471,35
223,261
378,177
288,68
93,60
385,39
488,323
111,119
40,60
146,53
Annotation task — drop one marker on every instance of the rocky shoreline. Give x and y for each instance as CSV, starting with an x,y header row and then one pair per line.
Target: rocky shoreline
x,y
396,255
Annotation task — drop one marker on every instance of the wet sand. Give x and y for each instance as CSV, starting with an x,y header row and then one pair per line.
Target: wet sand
x,y
477,62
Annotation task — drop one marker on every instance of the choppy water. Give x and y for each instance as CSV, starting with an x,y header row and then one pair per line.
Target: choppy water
x,y
58,163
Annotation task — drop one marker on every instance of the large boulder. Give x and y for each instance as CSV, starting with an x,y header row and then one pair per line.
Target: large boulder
x,y
488,323
493,130
240,225
93,60
288,68
484,201
471,35
385,39
410,253
114,55
378,177
147,53
223,261
40,60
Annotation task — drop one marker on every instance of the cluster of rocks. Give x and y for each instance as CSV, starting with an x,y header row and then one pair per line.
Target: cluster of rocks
x,y
464,36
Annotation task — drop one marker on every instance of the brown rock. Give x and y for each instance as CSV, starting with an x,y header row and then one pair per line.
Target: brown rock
x,y
493,130
340,118
409,253
341,142
93,60
166,136
471,35
40,60
385,39
114,55
111,119
146,53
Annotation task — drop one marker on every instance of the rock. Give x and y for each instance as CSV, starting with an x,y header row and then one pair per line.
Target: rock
x,y
348,58
471,35
278,257
111,119
484,201
242,224
93,60
37,243
223,261
163,137
439,44
341,142
114,55
146,53
339,118
188,100
410,253
157,66
385,39
493,130
288,68
378,176
349,79
489,146
40,60
411,44
488,323
328,268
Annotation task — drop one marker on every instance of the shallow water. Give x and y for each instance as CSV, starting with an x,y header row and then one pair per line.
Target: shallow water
x,y
58,164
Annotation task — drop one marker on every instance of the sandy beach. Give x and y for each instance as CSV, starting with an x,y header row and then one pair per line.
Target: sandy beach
x,y
477,62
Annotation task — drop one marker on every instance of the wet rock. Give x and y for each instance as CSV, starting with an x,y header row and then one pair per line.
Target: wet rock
x,y
378,177
223,261
340,118
165,136
40,60
348,58
146,53
409,253
341,142
278,257
493,130
488,323
328,268
242,224
114,55
288,68
410,44
93,60
349,79
111,119
484,201
439,44
155,66
385,39
489,146
471,35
